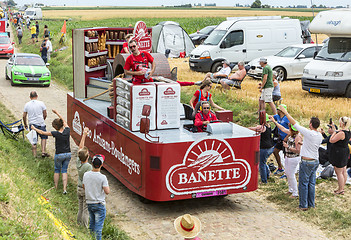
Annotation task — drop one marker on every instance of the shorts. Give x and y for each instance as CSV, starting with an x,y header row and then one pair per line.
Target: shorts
x,y
230,82
61,162
279,144
34,35
43,128
266,95
276,98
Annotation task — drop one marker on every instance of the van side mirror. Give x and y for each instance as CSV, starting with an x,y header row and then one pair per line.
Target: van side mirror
x,y
222,45
315,54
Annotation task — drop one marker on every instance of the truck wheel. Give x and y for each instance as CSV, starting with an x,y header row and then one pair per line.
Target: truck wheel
x,y
281,73
216,67
348,91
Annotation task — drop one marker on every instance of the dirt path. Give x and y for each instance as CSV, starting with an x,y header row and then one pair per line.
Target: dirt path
x,y
240,216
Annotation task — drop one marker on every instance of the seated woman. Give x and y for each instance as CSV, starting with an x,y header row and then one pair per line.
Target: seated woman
x,y
203,94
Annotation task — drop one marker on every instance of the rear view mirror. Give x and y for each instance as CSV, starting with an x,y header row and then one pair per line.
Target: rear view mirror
x,y
301,56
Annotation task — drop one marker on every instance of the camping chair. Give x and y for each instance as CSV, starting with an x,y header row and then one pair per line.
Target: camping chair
x,y
237,83
13,130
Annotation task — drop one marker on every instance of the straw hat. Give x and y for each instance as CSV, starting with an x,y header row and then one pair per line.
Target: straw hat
x,y
187,226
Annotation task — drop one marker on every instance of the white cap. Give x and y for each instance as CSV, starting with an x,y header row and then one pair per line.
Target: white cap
x,y
262,59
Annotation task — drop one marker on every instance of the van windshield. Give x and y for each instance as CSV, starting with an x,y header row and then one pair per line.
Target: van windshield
x,y
206,30
336,49
215,37
289,52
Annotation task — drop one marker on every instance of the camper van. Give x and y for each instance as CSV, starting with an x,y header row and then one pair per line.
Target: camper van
x,y
244,39
33,13
330,71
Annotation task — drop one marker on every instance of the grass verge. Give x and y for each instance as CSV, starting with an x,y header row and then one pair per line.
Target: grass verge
x,y
23,179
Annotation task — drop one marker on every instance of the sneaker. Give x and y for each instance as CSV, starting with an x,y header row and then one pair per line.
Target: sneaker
x,y
279,171
64,192
283,176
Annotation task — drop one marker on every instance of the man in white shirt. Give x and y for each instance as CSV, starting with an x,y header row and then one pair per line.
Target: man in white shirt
x,y
309,160
36,112
49,47
223,73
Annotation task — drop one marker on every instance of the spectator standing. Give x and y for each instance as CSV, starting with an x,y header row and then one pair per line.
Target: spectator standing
x,y
46,32
309,160
266,87
33,33
266,148
62,148
237,76
204,117
37,29
44,50
49,48
28,22
223,73
19,34
36,112
203,95
292,144
82,166
276,90
339,152
188,227
96,188
324,153
283,121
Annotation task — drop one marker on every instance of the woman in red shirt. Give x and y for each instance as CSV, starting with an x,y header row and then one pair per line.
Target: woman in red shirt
x,y
125,45
204,95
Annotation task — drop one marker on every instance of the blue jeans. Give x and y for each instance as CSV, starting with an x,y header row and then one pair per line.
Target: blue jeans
x,y
264,170
61,162
97,214
307,183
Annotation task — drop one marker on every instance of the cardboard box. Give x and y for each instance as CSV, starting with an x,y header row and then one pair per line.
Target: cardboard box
x,y
168,99
123,111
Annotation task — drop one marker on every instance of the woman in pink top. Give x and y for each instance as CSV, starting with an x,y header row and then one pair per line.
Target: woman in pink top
x,y
188,227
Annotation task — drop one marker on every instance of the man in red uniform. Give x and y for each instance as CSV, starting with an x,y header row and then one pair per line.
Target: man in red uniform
x,y
204,117
137,64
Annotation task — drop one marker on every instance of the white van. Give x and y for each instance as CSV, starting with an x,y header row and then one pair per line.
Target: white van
x,y
244,39
33,14
330,71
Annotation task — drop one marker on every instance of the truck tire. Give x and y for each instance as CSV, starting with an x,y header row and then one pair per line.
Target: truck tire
x,y
216,67
281,73
348,91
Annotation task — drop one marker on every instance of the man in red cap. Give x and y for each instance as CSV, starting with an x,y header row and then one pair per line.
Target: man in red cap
x,y
96,187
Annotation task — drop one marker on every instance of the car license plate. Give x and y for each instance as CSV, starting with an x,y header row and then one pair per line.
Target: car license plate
x,y
33,79
192,64
315,90
211,193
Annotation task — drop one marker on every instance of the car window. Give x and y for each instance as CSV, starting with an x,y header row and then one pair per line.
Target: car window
x,y
206,30
4,40
233,39
289,52
29,61
308,52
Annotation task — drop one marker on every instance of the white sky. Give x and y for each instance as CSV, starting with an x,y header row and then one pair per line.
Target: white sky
x,y
178,2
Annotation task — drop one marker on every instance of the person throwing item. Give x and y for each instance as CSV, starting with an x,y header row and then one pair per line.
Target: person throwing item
x,y
188,227
96,188
309,160
137,64
82,166
266,87
204,117
36,112
238,76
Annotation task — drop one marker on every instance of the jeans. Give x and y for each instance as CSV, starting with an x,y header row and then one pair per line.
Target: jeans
x,y
61,162
97,214
83,214
264,170
290,170
307,183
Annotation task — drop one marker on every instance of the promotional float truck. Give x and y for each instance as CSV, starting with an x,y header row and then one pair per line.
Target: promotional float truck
x,y
180,164
330,71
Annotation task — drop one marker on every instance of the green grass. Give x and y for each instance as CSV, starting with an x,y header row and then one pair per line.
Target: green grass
x,y
23,179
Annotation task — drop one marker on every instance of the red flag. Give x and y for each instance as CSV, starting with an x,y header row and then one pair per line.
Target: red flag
x,y
63,29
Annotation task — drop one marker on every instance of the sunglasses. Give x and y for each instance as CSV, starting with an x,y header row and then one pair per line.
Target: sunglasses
x,y
134,46
206,108
209,86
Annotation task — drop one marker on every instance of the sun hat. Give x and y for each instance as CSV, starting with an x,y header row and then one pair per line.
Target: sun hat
x,y
187,226
262,59
284,106
293,128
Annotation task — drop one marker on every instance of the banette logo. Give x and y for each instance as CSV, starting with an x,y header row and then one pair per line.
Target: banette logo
x,y
77,127
164,122
208,165
169,91
144,92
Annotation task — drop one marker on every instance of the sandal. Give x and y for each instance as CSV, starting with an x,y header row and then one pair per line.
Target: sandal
x,y
45,155
339,193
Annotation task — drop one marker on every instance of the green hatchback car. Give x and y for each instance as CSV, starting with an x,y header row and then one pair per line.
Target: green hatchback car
x,y
27,68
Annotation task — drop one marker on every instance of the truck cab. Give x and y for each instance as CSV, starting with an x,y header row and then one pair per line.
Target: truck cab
x,y
330,71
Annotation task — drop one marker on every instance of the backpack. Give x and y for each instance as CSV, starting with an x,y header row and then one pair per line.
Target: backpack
x,y
327,172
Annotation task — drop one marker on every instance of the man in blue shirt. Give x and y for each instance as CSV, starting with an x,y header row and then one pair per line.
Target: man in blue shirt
x,y
282,120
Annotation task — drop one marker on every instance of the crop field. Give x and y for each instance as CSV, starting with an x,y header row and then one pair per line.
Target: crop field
x,y
97,14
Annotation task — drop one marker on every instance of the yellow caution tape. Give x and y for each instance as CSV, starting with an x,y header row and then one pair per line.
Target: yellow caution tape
x,y
66,233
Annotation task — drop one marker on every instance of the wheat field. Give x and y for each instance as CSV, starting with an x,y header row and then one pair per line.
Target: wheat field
x,y
162,13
